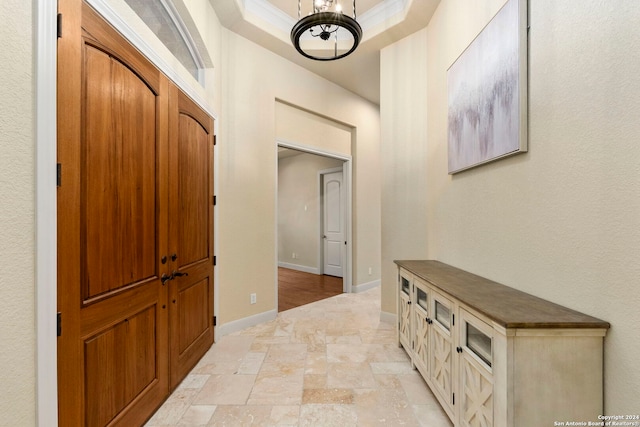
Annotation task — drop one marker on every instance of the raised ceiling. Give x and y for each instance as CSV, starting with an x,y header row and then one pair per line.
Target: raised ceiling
x,y
290,7
269,22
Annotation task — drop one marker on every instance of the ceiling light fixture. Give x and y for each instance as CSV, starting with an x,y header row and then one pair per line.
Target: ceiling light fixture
x,y
326,34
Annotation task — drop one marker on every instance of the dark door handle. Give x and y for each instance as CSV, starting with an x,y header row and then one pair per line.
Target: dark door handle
x,y
165,278
177,273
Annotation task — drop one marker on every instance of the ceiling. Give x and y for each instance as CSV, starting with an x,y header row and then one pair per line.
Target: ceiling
x,y
268,23
290,7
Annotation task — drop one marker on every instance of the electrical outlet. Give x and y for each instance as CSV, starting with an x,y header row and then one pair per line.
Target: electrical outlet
x,y
293,255
253,298
369,271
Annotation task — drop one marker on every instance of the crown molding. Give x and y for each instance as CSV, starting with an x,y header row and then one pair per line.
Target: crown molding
x,y
382,12
271,14
372,19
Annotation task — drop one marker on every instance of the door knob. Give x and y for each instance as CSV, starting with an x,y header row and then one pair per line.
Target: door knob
x,y
165,278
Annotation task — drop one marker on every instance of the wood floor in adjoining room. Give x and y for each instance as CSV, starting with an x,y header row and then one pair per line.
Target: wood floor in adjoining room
x,y
296,288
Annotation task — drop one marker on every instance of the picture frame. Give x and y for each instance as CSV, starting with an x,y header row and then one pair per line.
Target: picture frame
x,y
487,93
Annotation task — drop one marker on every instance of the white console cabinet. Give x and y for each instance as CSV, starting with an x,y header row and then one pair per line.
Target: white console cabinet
x,y
496,356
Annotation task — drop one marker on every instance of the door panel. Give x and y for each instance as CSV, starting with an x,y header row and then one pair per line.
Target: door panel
x,y
119,176
333,224
112,114
120,363
191,225
193,191
195,321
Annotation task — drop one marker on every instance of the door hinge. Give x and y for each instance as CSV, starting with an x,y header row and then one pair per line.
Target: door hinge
x,y
58,174
453,398
454,319
215,200
59,25
59,324
214,320
214,260
215,139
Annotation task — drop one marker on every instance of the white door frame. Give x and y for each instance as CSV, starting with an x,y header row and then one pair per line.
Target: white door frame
x,y
321,231
347,171
46,210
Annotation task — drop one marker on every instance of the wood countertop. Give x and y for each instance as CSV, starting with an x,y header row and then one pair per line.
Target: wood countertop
x,y
506,306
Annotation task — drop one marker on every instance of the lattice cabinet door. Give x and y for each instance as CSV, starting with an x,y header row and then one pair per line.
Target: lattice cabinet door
x,y
442,348
404,311
476,376
477,394
421,326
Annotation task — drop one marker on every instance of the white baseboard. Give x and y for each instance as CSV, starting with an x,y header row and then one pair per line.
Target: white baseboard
x,y
388,317
365,286
298,267
246,322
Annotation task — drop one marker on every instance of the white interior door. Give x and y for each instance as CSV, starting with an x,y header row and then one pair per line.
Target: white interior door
x,y
333,224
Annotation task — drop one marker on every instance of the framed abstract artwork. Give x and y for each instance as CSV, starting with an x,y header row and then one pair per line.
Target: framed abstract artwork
x,y
487,92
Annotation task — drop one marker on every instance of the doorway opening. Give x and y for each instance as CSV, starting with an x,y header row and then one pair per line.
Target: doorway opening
x,y
313,224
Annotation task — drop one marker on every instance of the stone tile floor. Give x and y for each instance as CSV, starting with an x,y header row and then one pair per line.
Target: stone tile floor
x,y
329,363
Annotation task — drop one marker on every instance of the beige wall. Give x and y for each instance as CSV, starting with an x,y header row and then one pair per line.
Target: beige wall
x,y
17,210
301,127
253,79
563,221
403,116
299,208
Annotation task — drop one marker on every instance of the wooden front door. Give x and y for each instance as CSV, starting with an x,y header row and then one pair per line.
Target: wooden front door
x,y
121,217
191,234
